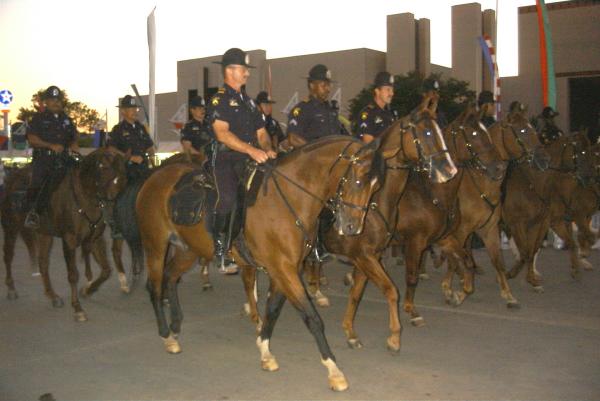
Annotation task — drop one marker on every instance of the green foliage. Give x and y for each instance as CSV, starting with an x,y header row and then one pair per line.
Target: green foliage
x,y
83,116
454,95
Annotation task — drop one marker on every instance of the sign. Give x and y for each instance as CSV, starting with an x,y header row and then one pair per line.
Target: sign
x,y
6,98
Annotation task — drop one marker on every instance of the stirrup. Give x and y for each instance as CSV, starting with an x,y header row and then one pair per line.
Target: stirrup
x,y
32,220
323,256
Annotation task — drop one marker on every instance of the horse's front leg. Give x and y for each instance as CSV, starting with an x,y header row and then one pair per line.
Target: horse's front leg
x,y
10,238
99,252
45,243
69,248
117,253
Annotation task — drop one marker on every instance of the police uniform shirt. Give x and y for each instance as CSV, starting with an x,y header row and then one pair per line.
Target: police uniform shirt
x,y
313,119
197,132
239,111
273,128
373,120
130,137
53,128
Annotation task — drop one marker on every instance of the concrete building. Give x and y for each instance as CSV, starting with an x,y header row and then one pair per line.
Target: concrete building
x,y
575,33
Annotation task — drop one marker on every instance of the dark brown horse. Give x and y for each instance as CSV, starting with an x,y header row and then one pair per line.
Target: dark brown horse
x,y
75,214
13,212
278,233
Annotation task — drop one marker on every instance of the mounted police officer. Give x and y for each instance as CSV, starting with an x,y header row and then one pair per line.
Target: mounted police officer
x,y
130,139
546,126
315,118
51,133
264,103
486,104
195,135
430,87
377,115
239,129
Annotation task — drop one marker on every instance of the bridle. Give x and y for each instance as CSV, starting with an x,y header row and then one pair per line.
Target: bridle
x,y
475,160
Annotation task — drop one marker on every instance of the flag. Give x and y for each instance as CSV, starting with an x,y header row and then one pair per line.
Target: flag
x,y
546,58
151,63
489,53
180,117
293,101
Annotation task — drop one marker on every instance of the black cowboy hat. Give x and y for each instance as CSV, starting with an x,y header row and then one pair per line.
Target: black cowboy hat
x,y
485,97
516,106
235,56
263,97
52,92
319,73
549,112
128,102
384,78
197,101
430,84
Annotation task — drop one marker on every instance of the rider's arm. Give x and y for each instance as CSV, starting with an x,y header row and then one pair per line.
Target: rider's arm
x,y
37,142
188,148
223,135
264,139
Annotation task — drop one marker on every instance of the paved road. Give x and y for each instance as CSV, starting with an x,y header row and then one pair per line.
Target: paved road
x,y
546,350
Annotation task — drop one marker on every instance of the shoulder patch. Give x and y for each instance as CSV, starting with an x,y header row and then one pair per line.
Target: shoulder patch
x,y
364,115
215,100
296,111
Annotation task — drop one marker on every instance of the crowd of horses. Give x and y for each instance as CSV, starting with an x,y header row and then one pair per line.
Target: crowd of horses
x,y
416,188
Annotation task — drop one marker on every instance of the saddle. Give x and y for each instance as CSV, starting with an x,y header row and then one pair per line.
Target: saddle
x,y
189,202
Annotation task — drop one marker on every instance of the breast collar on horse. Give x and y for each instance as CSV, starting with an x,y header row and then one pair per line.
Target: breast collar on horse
x,y
271,172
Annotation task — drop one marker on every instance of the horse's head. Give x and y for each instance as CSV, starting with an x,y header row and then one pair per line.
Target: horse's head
x,y
423,145
107,170
578,156
363,176
473,145
518,141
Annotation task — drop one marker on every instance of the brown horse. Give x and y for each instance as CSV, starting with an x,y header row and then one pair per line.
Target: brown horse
x,y
75,214
575,196
278,231
12,208
526,203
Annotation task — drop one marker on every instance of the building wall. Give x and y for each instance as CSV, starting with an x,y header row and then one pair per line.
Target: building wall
x,y
401,43
466,51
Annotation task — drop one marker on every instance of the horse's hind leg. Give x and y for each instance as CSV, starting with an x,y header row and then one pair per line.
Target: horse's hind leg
x,y
414,258
85,253
69,247
564,230
585,238
181,262
10,238
117,254
275,301
250,288
45,243
359,282
31,242
99,253
314,270
204,275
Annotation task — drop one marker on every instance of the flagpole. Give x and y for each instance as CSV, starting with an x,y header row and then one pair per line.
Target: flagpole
x,y
152,62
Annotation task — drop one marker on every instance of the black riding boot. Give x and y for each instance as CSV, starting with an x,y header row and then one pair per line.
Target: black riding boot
x,y
326,219
221,242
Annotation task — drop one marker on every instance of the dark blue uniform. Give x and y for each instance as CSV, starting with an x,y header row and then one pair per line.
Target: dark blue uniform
x,y
135,139
274,129
197,133
373,120
313,119
244,119
53,128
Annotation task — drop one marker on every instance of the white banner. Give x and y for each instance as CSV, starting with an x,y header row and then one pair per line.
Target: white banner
x,y
293,101
180,116
151,64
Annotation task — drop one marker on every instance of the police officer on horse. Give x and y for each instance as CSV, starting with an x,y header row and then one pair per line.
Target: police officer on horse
x,y
239,130
51,133
264,103
486,104
377,116
195,135
546,126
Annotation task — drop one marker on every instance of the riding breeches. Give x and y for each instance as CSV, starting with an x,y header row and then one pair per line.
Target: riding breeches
x,y
229,172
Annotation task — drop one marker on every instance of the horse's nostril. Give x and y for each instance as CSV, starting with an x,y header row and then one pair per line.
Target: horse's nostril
x,y
350,228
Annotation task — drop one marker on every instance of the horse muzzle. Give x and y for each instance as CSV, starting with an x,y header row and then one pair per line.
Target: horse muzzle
x,y
441,168
541,159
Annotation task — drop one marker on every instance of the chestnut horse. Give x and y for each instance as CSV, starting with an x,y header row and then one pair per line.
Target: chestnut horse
x,y
75,214
13,213
278,231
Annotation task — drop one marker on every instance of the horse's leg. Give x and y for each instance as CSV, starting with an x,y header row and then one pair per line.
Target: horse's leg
x,y
10,238
85,253
453,252
490,235
181,262
206,284
414,258
250,287
99,252
30,239
534,245
45,243
291,288
69,249
517,244
564,230
117,253
314,271
370,265
137,254
585,238
359,282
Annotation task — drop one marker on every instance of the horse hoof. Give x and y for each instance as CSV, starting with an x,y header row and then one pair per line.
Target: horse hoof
x,y
586,265
417,321
424,276
457,299
12,295
348,280
80,317
538,288
269,364
513,304
323,301
393,344
57,302
354,343
207,287
511,274
125,289
338,383
172,345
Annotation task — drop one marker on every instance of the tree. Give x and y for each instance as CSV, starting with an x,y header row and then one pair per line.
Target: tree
x,y
454,95
83,116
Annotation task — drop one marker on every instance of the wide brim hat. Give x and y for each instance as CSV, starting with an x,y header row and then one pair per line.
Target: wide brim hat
x,y
264,98
319,72
197,101
52,92
384,78
235,56
128,102
549,112
485,97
